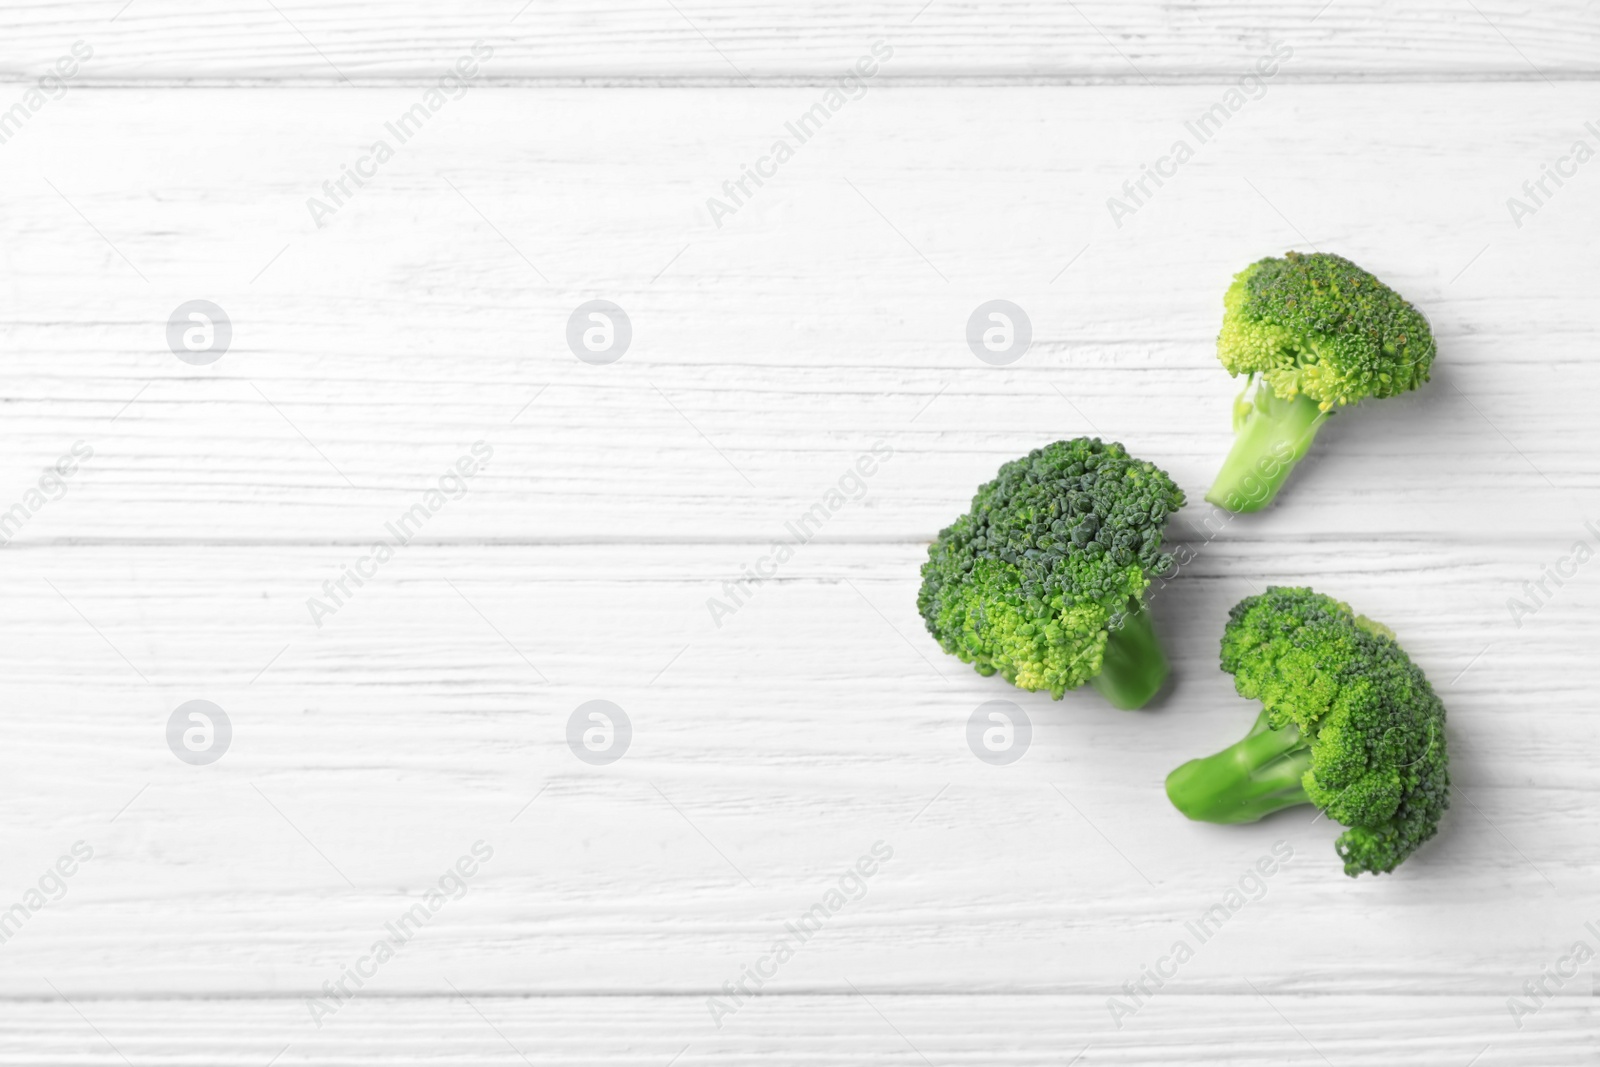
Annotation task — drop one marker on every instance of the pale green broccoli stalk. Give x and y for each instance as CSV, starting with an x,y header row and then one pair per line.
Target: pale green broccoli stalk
x,y
1043,580
1314,333
1349,724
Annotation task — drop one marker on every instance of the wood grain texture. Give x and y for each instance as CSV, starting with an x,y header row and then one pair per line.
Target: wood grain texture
x,y
739,43
774,747
829,313
873,1028
768,754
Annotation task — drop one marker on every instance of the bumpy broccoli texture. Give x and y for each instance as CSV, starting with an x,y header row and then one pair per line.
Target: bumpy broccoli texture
x,y
1042,581
1321,326
1318,333
1348,723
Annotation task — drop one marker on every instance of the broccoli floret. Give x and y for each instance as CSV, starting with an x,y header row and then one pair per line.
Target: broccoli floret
x,y
1349,724
1319,333
1043,580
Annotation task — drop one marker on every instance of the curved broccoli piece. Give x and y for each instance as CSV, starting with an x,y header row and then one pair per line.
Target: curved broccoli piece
x,y
1349,724
1320,333
1043,579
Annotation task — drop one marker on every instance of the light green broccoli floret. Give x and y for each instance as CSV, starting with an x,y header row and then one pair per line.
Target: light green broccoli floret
x,y
1316,333
1349,724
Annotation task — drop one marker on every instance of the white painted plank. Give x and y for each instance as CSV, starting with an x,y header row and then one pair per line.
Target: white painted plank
x,y
358,41
826,315
767,756
873,1028
769,353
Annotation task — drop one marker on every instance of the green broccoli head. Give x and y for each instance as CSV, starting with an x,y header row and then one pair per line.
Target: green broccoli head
x,y
1319,326
1342,685
1051,561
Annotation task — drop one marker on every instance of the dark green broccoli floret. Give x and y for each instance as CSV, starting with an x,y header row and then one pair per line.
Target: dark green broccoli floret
x,y
1349,724
1319,333
1043,579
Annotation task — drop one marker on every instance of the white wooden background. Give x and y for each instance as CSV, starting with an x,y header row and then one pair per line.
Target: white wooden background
x,y
827,315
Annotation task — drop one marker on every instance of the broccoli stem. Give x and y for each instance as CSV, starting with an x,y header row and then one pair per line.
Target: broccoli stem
x,y
1134,667
1250,779
1272,436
